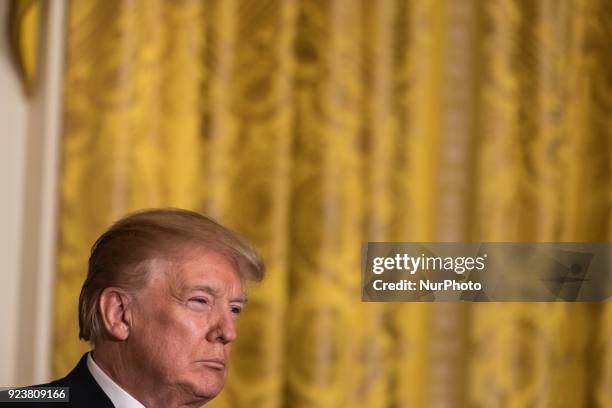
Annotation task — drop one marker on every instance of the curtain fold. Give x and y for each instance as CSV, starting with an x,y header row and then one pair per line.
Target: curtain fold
x,y
23,31
313,126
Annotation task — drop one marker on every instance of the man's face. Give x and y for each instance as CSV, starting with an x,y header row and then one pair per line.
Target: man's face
x,y
184,322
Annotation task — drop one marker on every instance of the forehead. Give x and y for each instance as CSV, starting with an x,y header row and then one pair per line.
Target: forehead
x,y
198,268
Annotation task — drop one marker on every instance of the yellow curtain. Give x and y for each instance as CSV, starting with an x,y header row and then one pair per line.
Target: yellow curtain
x,y
313,126
24,24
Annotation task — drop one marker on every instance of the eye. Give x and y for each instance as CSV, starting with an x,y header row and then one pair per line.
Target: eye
x,y
199,300
236,310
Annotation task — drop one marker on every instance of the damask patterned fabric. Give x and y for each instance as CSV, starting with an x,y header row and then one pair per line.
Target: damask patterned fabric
x,y
313,126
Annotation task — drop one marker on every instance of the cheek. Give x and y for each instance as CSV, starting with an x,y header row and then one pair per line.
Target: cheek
x,y
174,330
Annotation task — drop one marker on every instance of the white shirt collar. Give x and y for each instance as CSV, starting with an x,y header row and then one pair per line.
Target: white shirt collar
x,y
118,396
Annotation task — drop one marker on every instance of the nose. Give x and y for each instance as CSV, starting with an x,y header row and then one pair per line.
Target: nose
x,y
223,330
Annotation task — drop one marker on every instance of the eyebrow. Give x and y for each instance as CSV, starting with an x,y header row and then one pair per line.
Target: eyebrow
x,y
215,292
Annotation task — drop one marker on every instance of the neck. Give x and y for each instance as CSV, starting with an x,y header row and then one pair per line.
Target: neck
x,y
129,374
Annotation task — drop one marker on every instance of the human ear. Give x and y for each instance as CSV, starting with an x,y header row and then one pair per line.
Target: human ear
x,y
115,314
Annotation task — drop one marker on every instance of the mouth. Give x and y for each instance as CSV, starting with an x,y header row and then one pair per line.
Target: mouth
x,y
214,363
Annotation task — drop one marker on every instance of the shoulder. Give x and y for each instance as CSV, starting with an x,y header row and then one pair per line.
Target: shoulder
x,y
62,382
83,390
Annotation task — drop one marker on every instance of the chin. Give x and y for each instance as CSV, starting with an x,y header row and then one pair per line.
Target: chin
x,y
207,393
209,386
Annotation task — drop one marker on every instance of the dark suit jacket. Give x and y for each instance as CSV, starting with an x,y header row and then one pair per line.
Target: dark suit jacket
x,y
84,390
